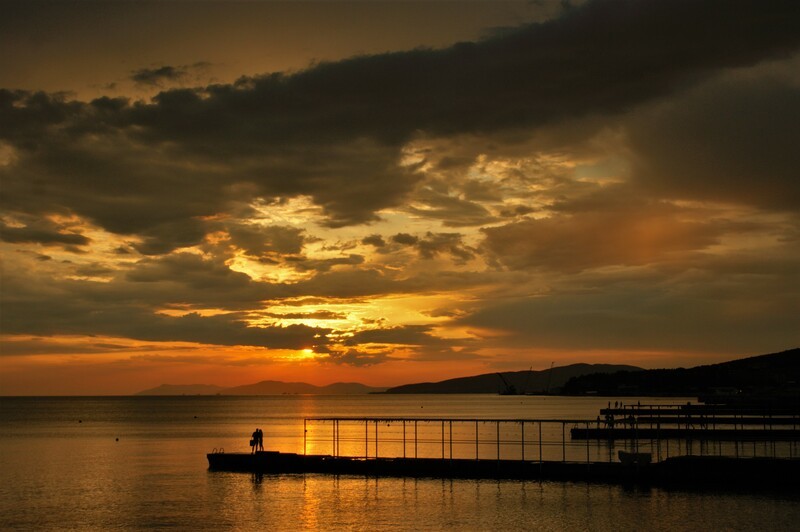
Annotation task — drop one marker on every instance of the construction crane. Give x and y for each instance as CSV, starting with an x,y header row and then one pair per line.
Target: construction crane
x,y
549,378
510,389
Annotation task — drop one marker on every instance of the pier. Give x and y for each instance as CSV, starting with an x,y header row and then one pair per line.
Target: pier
x,y
541,449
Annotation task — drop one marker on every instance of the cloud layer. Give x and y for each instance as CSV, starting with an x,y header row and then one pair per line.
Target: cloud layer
x,y
622,176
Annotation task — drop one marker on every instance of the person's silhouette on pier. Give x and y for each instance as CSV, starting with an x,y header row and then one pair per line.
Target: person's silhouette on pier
x,y
260,439
254,442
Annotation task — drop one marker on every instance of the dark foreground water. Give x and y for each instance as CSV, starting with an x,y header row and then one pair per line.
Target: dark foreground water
x,y
139,463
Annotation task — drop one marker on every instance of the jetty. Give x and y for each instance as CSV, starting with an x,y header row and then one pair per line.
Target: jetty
x,y
703,449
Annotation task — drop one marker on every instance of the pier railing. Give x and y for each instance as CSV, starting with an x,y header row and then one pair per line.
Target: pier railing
x,y
543,440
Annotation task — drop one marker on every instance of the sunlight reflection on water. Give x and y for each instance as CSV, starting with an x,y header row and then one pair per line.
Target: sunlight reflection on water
x,y
58,473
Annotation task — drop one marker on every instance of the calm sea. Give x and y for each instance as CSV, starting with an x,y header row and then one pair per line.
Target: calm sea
x,y
101,463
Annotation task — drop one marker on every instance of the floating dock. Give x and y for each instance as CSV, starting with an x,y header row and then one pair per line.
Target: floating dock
x,y
775,422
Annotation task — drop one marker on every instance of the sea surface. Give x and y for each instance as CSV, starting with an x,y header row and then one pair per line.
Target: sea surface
x,y
130,463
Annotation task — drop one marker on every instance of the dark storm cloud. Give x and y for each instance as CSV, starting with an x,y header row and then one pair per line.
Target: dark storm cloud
x,y
126,303
374,240
317,315
323,265
334,132
258,241
637,234
703,311
123,310
41,232
419,342
348,284
728,140
167,74
601,57
165,237
405,335
224,330
405,239
433,244
454,212
156,76
355,357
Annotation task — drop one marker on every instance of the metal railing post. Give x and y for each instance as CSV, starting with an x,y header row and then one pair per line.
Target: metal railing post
x,y
442,440
587,443
476,440
404,438
540,445
498,441
451,440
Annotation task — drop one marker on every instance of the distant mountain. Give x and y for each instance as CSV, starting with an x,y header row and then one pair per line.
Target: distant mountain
x,y
263,388
183,389
548,380
278,387
776,374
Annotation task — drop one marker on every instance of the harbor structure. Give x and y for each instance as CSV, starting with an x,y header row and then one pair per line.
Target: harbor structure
x,y
650,444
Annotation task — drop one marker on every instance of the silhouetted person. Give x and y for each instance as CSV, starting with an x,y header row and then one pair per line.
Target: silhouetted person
x,y
254,442
260,439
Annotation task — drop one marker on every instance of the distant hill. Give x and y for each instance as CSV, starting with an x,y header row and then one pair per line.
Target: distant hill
x,y
522,381
263,388
772,374
278,387
183,389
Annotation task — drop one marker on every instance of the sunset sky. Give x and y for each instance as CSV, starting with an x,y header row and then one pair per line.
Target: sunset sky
x,y
391,192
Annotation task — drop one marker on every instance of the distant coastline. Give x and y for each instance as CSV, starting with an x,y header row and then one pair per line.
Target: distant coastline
x,y
775,374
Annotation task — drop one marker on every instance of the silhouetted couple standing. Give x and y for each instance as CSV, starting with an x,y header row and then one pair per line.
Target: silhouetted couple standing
x,y
257,442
